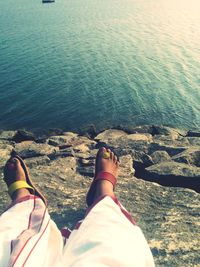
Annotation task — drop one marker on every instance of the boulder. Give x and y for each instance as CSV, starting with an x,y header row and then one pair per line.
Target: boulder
x,y
171,150
23,135
160,156
141,157
139,137
193,141
170,140
126,166
164,130
136,129
190,156
174,174
62,140
29,149
119,140
7,135
111,134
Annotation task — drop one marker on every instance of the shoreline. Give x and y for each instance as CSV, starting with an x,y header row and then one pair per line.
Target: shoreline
x,y
93,130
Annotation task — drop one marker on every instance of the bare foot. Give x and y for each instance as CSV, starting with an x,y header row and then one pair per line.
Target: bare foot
x,y
13,172
110,164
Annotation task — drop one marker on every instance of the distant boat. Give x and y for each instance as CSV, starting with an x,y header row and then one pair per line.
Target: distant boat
x,y
48,1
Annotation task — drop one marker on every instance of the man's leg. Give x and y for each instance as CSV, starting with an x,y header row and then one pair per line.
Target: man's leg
x,y
27,234
108,236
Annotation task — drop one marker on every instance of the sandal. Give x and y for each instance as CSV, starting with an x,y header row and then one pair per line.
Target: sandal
x,y
25,184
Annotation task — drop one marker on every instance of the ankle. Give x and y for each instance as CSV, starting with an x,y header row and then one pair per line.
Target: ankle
x,y
104,187
22,192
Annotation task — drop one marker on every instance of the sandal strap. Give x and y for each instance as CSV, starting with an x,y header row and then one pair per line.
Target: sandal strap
x,y
106,176
18,185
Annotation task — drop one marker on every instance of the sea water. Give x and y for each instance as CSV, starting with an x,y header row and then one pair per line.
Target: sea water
x,y
74,63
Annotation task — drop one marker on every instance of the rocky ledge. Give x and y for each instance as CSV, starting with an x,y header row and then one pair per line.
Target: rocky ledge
x,y
159,181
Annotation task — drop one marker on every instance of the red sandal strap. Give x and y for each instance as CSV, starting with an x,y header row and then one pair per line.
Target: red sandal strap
x,y
106,176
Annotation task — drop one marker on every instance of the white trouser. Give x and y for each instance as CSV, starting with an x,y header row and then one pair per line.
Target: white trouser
x,y
106,237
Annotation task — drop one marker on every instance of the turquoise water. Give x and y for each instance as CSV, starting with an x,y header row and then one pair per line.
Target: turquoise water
x,y
73,63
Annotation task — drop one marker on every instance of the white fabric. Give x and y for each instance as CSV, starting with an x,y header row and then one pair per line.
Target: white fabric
x,y
28,237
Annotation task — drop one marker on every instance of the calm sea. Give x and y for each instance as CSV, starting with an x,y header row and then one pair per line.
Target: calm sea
x,y
73,63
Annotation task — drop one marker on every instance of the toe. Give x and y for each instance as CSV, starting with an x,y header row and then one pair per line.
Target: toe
x,y
112,156
12,163
115,159
110,152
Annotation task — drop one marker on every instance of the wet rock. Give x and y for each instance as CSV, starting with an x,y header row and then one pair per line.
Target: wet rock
x,y
164,130
29,149
189,156
193,134
160,156
137,129
89,131
23,135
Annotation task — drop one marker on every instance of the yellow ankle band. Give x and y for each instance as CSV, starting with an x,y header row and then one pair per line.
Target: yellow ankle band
x,y
18,185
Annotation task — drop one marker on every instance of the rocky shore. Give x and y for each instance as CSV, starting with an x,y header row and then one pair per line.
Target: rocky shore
x,y
159,180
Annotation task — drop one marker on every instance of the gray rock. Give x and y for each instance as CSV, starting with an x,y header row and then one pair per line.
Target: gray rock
x,y
36,161
62,140
119,140
8,135
174,169
67,152
24,135
137,129
86,167
139,138
5,151
160,156
174,174
164,130
189,156
171,150
126,166
29,149
141,157
111,134
169,140
193,141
